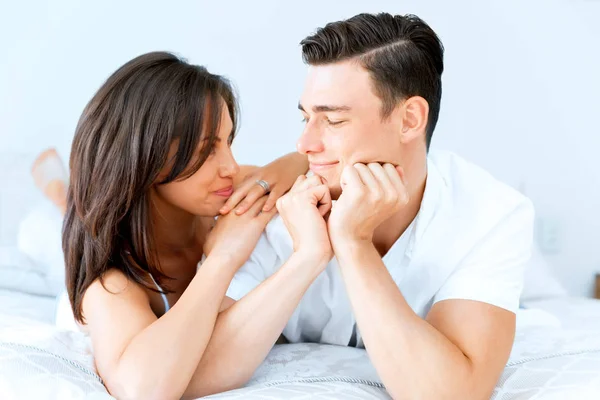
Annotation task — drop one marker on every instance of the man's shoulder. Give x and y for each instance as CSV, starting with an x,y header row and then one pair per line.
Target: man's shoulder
x,y
480,215
475,202
472,188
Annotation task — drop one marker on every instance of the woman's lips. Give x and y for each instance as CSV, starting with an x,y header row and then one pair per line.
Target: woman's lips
x,y
226,192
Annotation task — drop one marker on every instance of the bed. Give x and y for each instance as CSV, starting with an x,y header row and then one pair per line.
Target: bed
x,y
550,360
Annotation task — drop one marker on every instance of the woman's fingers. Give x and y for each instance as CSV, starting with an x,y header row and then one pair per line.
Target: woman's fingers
x,y
237,196
255,193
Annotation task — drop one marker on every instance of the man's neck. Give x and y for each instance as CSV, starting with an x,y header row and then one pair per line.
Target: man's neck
x,y
391,229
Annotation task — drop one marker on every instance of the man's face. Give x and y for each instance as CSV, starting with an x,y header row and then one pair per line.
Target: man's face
x,y
344,122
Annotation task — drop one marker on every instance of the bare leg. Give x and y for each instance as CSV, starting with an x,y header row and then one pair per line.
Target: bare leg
x,y
50,177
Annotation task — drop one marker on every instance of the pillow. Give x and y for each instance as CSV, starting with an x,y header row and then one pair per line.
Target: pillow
x,y
18,194
21,204
539,281
24,277
40,239
35,265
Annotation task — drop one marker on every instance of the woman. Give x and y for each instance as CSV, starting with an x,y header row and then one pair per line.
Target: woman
x,y
151,166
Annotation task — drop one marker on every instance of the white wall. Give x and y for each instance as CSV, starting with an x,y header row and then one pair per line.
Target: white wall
x,y
520,88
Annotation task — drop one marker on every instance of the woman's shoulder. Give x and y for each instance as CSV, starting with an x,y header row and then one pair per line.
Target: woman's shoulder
x,y
111,295
115,282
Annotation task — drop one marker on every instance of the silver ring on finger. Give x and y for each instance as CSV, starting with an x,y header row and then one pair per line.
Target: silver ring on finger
x,y
264,184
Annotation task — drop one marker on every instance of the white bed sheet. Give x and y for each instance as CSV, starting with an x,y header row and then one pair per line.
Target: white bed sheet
x,y
546,362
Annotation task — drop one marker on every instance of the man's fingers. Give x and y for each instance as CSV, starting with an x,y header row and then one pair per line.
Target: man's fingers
x,y
394,177
367,177
382,178
317,195
350,177
320,197
402,174
309,182
296,185
325,202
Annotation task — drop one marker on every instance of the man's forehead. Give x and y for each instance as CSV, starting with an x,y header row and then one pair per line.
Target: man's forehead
x,y
342,83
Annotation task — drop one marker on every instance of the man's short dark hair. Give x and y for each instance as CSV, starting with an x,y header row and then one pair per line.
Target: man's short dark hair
x,y
402,53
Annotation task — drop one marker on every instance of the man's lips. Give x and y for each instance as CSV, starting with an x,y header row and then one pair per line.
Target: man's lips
x,y
320,166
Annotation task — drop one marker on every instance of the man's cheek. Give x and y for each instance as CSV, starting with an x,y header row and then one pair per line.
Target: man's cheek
x,y
362,157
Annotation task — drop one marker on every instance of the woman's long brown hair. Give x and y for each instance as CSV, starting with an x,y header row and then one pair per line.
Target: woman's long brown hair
x,y
121,144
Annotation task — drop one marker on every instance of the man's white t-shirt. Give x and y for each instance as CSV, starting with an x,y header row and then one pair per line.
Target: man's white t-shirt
x,y
470,240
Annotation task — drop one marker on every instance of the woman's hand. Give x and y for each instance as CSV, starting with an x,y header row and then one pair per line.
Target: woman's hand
x,y
234,236
279,174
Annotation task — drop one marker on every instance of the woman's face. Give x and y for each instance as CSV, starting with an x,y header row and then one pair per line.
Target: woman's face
x,y
207,190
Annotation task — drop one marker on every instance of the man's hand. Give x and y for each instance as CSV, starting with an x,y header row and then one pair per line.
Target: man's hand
x,y
370,194
303,210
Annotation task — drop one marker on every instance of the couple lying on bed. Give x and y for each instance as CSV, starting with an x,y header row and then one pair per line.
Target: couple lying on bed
x,y
363,239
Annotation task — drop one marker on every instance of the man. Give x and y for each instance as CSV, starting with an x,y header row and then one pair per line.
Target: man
x,y
428,248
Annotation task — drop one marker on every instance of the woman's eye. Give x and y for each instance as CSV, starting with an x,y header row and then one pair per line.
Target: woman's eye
x,y
213,151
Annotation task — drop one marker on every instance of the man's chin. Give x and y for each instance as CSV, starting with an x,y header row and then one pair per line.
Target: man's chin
x,y
335,191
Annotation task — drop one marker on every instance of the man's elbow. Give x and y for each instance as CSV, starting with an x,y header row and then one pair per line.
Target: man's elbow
x,y
467,385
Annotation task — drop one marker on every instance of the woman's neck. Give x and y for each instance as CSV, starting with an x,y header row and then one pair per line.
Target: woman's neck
x,y
174,229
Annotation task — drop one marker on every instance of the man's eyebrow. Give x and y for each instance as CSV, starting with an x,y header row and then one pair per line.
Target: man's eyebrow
x,y
326,108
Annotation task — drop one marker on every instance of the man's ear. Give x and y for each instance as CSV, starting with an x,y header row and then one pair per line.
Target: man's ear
x,y
415,111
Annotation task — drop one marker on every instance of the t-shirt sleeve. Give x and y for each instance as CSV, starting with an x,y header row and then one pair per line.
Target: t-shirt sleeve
x,y
493,271
262,263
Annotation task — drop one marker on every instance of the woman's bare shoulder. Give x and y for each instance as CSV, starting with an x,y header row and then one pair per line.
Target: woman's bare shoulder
x,y
115,283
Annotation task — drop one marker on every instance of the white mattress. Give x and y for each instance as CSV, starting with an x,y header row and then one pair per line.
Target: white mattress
x,y
39,361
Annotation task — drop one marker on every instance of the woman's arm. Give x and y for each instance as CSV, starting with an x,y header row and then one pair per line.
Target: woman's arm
x,y
141,357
